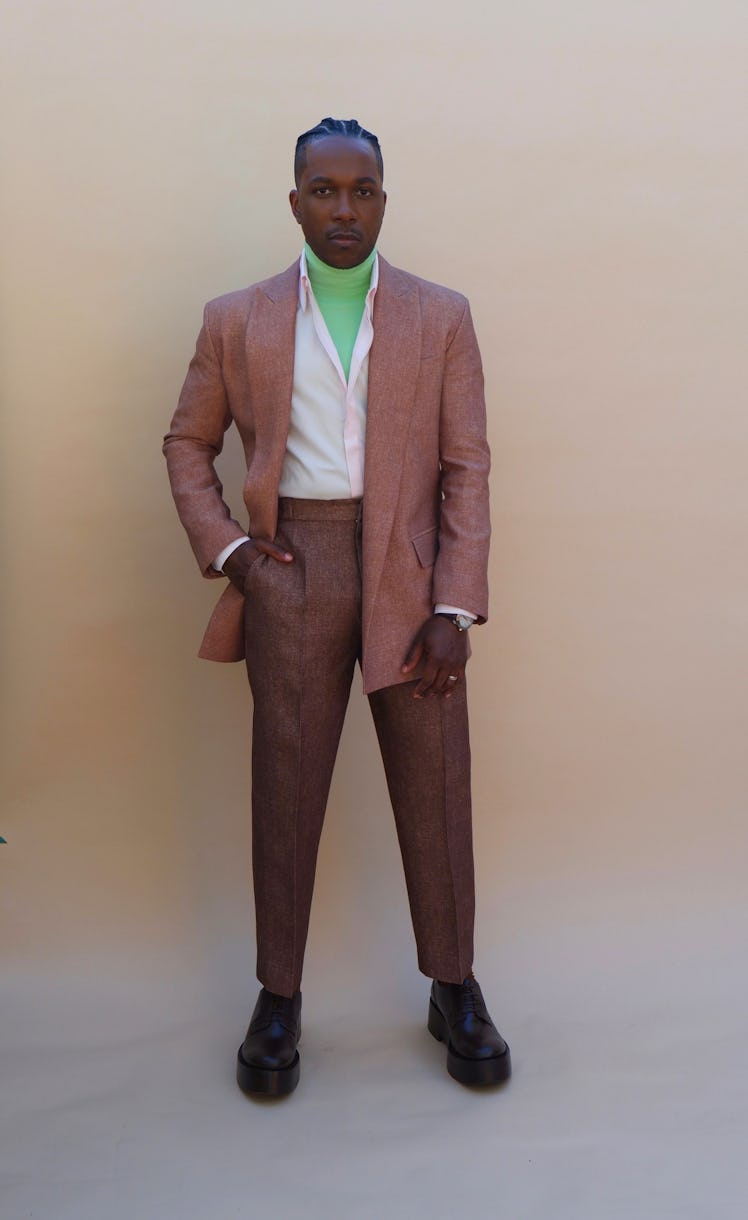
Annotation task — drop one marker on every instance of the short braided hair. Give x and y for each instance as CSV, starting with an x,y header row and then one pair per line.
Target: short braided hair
x,y
334,127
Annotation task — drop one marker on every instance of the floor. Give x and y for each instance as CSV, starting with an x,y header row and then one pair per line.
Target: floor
x,y
629,1097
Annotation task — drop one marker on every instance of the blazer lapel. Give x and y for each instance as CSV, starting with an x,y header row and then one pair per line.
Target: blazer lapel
x,y
270,360
394,363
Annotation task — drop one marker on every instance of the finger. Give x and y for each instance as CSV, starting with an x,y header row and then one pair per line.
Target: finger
x,y
274,551
442,682
454,678
446,678
414,655
425,685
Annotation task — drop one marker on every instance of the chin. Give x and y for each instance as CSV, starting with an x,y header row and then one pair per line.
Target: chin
x,y
346,258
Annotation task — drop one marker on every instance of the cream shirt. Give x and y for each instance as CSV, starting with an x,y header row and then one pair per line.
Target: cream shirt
x,y
325,448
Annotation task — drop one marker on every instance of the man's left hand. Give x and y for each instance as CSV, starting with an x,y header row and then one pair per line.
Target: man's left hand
x,y
443,650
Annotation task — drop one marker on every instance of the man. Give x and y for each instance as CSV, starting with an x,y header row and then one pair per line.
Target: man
x,y
357,391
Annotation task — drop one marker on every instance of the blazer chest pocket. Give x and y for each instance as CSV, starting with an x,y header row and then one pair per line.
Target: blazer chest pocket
x,y
426,547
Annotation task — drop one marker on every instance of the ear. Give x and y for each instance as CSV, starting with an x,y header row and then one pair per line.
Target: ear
x,y
293,199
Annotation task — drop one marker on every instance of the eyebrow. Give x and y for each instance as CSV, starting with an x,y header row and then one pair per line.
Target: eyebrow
x,y
318,178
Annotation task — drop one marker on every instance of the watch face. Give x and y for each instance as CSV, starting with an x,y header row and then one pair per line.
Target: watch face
x,y
463,622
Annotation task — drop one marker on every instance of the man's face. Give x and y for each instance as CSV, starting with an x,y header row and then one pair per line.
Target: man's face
x,y
340,202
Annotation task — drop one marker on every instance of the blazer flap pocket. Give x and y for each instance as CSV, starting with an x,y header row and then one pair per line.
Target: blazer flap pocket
x,y
425,545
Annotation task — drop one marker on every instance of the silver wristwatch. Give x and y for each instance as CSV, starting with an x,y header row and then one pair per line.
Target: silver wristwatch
x,y
461,621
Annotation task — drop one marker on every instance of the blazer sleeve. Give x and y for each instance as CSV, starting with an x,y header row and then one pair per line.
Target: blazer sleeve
x,y
461,568
191,446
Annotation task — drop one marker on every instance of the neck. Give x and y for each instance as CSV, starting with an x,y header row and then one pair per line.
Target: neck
x,y
343,281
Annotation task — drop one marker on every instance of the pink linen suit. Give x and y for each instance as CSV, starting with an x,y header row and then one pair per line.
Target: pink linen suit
x,y
420,536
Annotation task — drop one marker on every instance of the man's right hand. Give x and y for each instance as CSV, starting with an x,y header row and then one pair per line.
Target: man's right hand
x,y
240,561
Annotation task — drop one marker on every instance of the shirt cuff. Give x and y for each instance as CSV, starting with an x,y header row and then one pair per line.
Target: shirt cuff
x,y
441,609
223,555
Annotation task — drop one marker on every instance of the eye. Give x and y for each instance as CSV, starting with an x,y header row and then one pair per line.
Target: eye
x,y
322,191
365,191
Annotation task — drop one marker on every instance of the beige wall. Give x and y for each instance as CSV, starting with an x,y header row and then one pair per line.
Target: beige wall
x,y
578,169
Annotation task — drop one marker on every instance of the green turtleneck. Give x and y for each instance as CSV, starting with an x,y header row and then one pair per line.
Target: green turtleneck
x,y
341,296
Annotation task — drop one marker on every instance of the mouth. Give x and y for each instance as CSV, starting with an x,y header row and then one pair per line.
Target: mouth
x,y
344,237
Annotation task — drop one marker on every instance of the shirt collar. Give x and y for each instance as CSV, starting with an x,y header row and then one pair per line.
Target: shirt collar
x,y
305,286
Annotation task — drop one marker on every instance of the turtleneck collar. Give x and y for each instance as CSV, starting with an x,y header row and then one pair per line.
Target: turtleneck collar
x,y
338,281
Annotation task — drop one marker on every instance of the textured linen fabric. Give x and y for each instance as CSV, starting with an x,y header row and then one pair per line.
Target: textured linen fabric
x,y
426,517
303,637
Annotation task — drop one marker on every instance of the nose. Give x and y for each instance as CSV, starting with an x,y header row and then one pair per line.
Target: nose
x,y
344,209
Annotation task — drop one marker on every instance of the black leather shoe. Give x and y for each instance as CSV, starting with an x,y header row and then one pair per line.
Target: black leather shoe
x,y
476,1051
268,1060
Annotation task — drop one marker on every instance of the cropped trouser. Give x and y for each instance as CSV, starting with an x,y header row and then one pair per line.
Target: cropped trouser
x,y
303,637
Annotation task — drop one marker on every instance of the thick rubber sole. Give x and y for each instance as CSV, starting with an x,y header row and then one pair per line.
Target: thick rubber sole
x,y
270,1082
468,1071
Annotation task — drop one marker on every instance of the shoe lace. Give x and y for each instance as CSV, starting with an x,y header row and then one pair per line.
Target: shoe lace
x,y
471,998
281,1008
